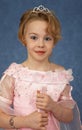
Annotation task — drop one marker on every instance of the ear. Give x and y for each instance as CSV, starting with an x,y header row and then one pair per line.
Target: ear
x,y
24,41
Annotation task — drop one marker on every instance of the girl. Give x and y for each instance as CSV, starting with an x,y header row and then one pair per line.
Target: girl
x,y
38,90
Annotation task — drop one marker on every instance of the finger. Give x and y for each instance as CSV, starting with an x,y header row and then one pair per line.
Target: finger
x,y
40,105
38,91
45,120
39,96
44,123
43,128
41,102
44,114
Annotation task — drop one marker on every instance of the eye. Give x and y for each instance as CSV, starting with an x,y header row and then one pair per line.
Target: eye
x,y
34,37
48,38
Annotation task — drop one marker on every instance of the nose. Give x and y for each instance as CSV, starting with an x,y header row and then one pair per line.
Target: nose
x,y
41,44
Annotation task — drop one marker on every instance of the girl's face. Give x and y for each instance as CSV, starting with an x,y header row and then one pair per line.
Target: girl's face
x,y
38,42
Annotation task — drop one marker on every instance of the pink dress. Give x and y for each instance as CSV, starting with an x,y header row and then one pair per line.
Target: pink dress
x,y
19,86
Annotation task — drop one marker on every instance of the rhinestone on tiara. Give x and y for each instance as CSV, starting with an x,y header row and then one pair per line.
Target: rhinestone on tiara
x,y
41,8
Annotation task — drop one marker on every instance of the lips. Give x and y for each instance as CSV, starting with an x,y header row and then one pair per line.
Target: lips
x,y
40,52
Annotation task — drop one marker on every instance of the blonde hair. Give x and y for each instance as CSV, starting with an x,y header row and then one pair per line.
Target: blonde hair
x,y
53,28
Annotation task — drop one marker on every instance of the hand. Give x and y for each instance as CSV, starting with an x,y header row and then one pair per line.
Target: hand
x,y
38,120
44,102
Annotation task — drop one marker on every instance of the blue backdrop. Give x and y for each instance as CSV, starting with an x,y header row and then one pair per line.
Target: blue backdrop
x,y
68,51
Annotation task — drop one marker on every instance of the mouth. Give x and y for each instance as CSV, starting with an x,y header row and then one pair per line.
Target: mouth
x,y
40,52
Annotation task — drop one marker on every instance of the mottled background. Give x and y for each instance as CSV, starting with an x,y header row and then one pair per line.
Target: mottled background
x,y
68,51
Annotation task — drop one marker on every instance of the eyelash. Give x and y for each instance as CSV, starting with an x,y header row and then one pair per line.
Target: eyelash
x,y
34,37
46,38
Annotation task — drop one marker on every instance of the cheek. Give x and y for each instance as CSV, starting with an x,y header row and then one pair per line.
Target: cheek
x,y
50,47
51,50
30,47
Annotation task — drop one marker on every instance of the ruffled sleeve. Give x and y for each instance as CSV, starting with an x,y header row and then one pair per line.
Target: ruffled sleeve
x,y
6,90
66,98
11,70
65,76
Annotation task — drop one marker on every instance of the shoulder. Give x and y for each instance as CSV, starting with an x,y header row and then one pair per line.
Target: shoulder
x,y
56,67
12,68
66,75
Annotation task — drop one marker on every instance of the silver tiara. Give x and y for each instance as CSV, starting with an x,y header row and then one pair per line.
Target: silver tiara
x,y
41,8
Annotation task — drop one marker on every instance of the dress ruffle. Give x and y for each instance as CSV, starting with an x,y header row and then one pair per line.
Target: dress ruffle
x,y
15,70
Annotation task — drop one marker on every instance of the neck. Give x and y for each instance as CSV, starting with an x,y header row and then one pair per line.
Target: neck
x,y
34,65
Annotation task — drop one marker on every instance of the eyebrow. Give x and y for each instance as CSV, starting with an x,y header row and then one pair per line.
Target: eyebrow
x,y
33,33
38,34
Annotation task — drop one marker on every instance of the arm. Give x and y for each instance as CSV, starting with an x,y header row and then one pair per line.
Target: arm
x,y
60,112
37,121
